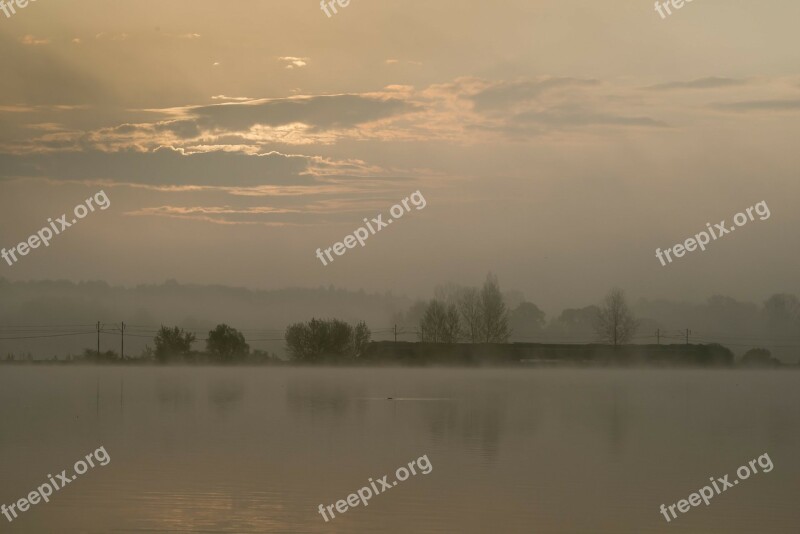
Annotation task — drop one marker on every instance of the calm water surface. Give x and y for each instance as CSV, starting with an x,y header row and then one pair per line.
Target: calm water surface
x,y
515,450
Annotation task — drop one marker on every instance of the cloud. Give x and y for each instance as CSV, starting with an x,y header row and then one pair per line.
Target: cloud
x,y
14,108
318,112
396,61
293,62
41,108
30,40
209,169
711,82
509,94
560,117
525,109
47,126
300,212
226,215
231,98
111,36
186,129
293,120
465,110
787,104
165,166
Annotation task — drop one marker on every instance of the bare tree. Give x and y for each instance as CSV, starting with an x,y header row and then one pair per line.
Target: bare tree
x,y
361,337
448,293
452,325
526,321
469,304
440,323
493,313
615,321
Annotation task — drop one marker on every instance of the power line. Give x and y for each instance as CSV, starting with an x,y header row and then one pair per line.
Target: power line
x,y
41,331
49,335
45,325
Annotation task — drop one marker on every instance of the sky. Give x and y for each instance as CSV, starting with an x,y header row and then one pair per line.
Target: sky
x,y
557,144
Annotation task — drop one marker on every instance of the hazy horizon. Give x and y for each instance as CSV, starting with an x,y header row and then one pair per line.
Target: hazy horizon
x,y
513,293
34,311
234,141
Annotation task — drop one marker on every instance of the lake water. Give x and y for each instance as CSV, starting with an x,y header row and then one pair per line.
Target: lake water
x,y
241,450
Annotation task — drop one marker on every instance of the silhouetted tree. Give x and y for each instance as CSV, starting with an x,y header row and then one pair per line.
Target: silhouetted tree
x,y
318,340
759,358
615,321
526,320
576,324
493,313
783,314
452,325
172,342
469,305
361,337
726,313
227,344
513,298
449,293
440,324
412,317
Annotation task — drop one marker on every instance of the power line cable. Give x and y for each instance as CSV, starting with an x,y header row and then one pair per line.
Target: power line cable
x,y
50,335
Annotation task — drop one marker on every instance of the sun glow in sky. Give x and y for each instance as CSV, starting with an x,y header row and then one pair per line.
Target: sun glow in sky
x,y
558,143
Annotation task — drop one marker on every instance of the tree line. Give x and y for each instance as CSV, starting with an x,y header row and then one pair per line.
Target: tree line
x,y
480,315
472,315
314,341
224,344
461,314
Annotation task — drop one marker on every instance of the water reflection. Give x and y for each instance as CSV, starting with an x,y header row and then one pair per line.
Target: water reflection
x,y
316,397
226,393
174,392
477,422
534,451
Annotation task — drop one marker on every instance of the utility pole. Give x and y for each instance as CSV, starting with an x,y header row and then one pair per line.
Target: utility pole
x,y
98,342
122,341
395,333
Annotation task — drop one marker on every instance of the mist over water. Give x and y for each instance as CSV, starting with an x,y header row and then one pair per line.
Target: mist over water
x,y
522,450
589,313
